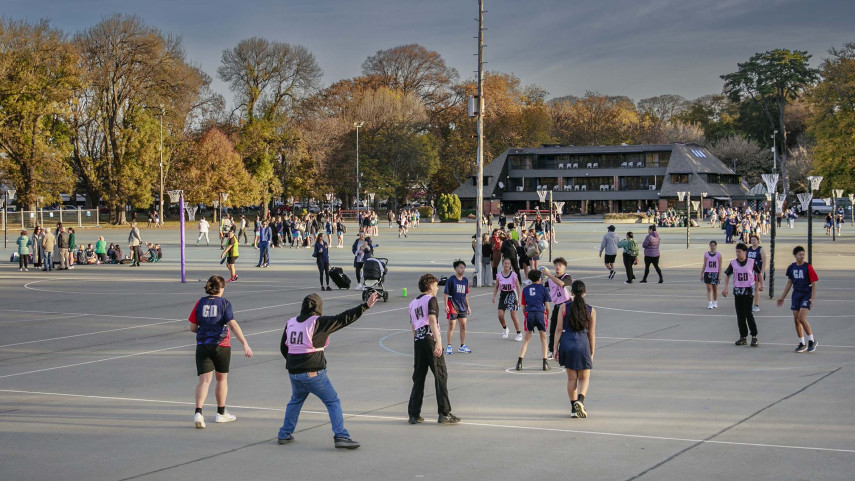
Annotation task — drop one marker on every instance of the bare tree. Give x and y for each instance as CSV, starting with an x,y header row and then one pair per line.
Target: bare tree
x,y
268,77
663,107
414,69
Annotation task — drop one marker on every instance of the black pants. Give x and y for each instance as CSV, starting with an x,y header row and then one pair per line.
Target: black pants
x,y
424,360
628,261
744,316
22,261
324,268
553,322
137,254
358,267
651,260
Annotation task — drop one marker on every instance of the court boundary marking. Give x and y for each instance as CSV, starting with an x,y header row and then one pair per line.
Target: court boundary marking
x,y
464,423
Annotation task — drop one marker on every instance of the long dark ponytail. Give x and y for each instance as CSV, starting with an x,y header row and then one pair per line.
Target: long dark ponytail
x,y
578,318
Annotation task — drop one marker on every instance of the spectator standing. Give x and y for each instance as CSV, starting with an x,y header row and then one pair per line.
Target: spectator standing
x,y
101,250
630,256
48,245
609,244
203,231
134,242
63,243
322,258
651,253
23,243
264,238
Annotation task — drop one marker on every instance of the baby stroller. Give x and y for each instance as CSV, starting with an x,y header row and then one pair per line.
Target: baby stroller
x,y
374,274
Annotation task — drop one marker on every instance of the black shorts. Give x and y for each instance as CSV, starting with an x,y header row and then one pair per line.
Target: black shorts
x,y
230,260
212,358
610,258
537,320
711,278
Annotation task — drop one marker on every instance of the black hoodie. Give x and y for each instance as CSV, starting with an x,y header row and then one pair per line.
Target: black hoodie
x,y
326,325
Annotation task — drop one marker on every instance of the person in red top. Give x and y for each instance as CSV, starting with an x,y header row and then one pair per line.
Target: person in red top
x,y
212,320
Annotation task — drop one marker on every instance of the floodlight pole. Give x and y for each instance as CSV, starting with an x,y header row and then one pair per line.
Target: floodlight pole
x,y
182,241
852,207
772,243
479,207
833,214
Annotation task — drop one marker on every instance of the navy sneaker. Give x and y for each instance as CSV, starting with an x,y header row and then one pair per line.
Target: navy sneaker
x,y
811,346
741,341
289,439
801,348
416,420
342,442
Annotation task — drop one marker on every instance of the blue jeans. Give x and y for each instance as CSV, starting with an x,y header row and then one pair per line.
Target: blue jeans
x,y
48,261
263,253
301,386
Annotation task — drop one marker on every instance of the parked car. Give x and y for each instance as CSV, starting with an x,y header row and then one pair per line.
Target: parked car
x,y
818,207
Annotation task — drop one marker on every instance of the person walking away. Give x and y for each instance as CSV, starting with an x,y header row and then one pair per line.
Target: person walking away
x,y
535,299
574,349
630,256
508,284
744,272
303,343
456,299
72,244
509,251
427,351
651,253
231,253
212,319
264,238
802,279
559,290
23,242
203,231
361,247
711,273
135,241
609,244
756,252
242,231
322,258
48,245
486,260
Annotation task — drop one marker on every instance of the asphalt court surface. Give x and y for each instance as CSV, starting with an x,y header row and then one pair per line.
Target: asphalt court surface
x,y
97,373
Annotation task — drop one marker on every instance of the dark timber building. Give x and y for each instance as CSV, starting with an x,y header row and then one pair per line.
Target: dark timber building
x,y
596,180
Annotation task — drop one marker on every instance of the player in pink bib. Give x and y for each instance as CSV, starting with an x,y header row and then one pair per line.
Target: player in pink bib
x,y
427,353
710,274
510,292
743,270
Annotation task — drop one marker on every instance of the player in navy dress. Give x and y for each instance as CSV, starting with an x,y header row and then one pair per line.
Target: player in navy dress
x,y
535,297
802,278
574,348
457,305
212,319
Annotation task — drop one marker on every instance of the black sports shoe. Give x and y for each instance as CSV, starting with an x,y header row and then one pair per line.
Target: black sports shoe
x,y
345,443
519,365
643,281
801,348
289,439
741,341
448,419
661,281
416,420
545,365
754,341
611,274
579,408
811,346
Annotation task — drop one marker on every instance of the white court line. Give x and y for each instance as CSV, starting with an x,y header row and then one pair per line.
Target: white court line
x,y
488,425
41,319
56,291
712,315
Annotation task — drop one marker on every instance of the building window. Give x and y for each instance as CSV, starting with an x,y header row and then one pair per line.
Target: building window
x,y
643,182
521,162
680,178
723,179
658,159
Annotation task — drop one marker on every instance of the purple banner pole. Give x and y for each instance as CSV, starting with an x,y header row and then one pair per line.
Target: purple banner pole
x,y
181,227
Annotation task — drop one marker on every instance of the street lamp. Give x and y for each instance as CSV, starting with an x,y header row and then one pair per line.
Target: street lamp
x,y
815,180
852,207
9,193
837,193
357,124
225,197
687,196
774,151
771,181
701,210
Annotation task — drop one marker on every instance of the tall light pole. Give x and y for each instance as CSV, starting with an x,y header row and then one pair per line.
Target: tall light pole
x,y
688,196
162,111
479,127
814,180
9,193
701,210
771,181
774,151
836,193
852,207
357,124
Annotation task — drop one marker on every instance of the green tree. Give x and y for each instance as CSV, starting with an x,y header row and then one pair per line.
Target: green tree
x,y
448,208
832,124
38,75
772,79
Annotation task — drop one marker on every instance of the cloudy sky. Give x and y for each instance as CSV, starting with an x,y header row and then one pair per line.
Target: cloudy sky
x,y
638,48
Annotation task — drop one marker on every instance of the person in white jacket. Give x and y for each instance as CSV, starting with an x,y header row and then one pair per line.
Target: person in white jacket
x,y
609,244
203,231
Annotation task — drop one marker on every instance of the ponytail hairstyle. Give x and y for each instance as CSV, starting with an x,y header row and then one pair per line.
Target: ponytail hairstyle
x,y
578,318
214,284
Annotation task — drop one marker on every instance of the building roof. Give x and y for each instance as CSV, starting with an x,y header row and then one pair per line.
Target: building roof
x,y
493,170
594,149
696,160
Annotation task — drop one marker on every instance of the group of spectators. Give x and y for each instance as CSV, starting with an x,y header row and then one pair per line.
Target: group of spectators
x,y
521,246
58,250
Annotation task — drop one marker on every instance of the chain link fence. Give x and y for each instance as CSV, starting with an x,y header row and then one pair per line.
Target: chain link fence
x,y
73,217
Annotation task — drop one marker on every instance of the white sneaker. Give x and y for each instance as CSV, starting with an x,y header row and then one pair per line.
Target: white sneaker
x,y
226,417
518,338
505,333
755,309
199,420
715,304
358,287
709,305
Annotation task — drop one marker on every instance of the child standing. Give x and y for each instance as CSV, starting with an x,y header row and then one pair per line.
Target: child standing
x,y
574,349
744,272
802,278
456,300
212,320
710,274
535,297
559,291
509,284
427,347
